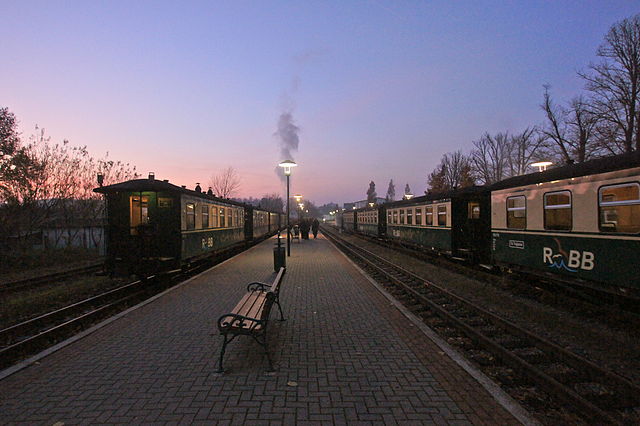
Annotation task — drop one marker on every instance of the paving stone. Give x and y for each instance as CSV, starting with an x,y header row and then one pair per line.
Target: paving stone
x,y
353,357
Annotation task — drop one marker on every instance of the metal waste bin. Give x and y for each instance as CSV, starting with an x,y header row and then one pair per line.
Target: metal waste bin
x,y
279,258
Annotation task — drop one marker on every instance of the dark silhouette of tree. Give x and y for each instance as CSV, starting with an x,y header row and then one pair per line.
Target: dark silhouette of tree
x,y
391,191
226,183
615,85
407,190
454,171
371,193
272,202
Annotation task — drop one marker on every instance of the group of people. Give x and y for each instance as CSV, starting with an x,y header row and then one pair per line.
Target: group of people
x,y
305,225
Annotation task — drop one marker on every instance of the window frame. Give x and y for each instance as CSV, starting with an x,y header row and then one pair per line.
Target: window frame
x,y
616,203
428,215
419,216
508,209
440,213
410,216
190,225
556,207
205,214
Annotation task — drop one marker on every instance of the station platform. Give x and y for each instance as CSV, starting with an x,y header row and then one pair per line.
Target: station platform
x,y
345,355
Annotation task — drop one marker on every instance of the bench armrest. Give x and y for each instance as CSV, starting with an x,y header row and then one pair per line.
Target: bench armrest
x,y
226,321
257,285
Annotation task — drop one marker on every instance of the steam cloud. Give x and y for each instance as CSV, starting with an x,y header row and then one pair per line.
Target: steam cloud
x,y
288,138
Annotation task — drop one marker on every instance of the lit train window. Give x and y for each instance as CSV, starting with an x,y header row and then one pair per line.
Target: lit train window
x,y
191,216
402,222
516,212
557,211
205,216
419,216
409,216
389,217
214,216
139,212
222,221
428,215
474,210
229,216
442,215
619,207
395,216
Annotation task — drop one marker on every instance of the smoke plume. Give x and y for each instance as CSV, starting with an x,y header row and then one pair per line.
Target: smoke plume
x,y
288,138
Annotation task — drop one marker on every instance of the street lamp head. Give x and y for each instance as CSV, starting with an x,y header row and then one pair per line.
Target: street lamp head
x,y
287,165
408,196
298,198
541,165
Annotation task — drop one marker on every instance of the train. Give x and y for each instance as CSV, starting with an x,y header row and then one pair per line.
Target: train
x,y
577,222
153,225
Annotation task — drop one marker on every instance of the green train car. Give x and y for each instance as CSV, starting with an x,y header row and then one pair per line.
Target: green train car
x,y
455,223
578,221
154,225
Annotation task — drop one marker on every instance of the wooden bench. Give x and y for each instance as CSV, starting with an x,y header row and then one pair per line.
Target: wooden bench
x,y
250,317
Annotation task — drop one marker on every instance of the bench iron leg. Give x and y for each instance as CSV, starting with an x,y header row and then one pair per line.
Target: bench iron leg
x,y
224,346
282,318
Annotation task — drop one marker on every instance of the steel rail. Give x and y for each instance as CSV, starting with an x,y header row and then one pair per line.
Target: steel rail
x,y
559,390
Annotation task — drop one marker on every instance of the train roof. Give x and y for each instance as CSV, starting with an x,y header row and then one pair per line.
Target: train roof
x,y
431,196
155,185
599,165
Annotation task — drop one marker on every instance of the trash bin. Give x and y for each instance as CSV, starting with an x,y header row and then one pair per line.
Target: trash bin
x,y
279,258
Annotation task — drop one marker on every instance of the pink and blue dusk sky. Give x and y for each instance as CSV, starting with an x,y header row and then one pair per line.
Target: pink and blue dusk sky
x,y
380,89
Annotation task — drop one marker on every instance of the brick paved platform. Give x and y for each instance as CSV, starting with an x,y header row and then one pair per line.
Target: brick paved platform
x,y
345,355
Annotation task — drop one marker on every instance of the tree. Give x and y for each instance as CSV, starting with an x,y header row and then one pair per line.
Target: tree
x,y
371,193
272,202
571,130
226,183
525,148
391,191
454,171
615,84
407,190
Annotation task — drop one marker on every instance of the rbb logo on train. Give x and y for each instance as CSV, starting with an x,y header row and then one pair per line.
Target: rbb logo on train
x,y
571,261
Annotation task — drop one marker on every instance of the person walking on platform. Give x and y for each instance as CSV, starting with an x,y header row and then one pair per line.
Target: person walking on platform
x,y
314,227
304,227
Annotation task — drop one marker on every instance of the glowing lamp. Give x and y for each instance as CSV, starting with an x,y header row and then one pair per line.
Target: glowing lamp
x,y
287,165
541,165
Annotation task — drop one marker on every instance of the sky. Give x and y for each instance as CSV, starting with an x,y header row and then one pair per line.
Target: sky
x,y
379,90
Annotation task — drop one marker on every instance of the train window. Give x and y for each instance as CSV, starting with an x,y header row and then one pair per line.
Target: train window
x,y
222,221
214,216
419,216
516,212
229,216
442,215
395,216
428,215
402,222
473,210
557,211
409,216
389,217
619,207
139,212
191,216
205,216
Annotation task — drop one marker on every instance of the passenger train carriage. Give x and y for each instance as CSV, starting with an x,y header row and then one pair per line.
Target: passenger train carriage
x,y
579,220
155,225
454,222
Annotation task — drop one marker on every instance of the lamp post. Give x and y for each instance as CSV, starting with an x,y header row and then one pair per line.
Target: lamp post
x,y
287,165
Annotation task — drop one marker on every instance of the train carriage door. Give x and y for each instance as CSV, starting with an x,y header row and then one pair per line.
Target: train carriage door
x,y
471,228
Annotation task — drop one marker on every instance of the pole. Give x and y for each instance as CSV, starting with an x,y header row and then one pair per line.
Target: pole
x,y
288,227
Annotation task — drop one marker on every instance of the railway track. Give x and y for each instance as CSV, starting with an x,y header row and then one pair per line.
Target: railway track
x,y
611,303
558,385
48,279
24,339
